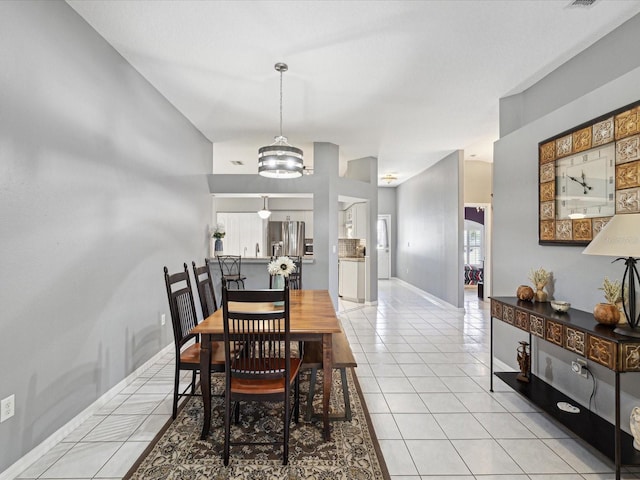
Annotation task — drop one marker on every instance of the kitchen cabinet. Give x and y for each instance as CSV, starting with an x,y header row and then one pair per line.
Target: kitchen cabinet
x,y
342,232
243,232
356,221
360,220
351,281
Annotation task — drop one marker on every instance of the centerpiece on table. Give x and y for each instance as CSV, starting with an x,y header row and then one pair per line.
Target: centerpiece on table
x,y
279,269
218,234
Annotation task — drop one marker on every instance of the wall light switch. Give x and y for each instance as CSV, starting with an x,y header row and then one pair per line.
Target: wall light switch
x,y
163,319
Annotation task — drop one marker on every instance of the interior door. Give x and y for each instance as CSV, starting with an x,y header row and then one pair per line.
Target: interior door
x,y
384,254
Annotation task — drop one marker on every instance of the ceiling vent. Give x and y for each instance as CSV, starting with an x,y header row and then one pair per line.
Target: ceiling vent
x,y
582,3
236,162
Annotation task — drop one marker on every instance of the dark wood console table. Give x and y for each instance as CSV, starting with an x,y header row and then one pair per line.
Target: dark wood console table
x,y
578,332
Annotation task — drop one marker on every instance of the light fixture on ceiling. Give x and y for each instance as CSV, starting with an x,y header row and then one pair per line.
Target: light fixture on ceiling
x,y
280,160
265,212
389,177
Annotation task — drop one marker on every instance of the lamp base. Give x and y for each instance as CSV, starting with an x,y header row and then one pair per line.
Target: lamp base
x,y
627,331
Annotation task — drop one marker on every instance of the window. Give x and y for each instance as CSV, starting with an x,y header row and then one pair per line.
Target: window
x,y
473,254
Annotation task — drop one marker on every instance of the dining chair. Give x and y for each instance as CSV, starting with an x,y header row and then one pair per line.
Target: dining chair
x,y
204,281
265,370
187,345
230,268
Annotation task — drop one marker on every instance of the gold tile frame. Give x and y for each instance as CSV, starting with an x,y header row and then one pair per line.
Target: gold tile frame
x,y
621,126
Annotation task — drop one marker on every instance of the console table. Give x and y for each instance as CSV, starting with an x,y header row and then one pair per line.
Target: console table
x,y
578,332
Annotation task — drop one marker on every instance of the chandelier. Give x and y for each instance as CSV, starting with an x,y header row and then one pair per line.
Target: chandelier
x,y
280,160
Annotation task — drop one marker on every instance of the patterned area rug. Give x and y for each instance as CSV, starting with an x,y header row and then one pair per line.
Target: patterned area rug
x,y
353,453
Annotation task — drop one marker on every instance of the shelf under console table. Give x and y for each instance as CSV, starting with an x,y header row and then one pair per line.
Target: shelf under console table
x,y
578,332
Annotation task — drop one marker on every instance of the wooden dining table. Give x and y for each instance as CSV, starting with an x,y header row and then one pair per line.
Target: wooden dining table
x,y
312,318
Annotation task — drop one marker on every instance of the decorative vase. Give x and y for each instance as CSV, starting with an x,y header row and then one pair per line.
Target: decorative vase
x,y
541,295
606,314
634,425
524,360
278,284
525,292
623,317
218,247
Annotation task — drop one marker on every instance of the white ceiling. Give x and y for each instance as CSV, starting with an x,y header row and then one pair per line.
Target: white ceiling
x,y
405,81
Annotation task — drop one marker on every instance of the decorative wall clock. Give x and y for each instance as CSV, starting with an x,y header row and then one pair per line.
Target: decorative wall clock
x,y
587,175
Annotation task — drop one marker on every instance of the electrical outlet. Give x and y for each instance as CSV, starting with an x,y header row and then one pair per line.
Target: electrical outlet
x,y
579,366
163,319
7,408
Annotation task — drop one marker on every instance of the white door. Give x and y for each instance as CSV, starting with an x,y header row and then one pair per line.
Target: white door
x,y
384,254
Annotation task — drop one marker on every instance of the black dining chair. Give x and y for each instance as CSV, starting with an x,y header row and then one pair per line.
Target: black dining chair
x,y
230,268
209,302
187,345
264,371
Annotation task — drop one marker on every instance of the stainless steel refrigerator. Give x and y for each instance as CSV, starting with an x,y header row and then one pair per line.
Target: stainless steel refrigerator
x,y
286,238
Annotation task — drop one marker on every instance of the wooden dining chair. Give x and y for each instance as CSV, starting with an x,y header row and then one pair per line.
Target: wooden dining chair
x,y
265,370
208,300
231,270
187,345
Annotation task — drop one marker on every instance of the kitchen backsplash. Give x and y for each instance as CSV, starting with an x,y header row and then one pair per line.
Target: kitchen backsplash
x,y
351,247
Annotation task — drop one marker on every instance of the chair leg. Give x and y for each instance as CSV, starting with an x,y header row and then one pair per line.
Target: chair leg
x,y
312,389
345,394
287,420
193,382
176,386
227,428
296,400
236,412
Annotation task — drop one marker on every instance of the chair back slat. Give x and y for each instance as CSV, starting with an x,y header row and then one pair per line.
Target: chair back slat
x,y
265,334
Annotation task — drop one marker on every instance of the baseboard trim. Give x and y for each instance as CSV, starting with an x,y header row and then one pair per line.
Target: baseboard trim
x,y
34,454
427,295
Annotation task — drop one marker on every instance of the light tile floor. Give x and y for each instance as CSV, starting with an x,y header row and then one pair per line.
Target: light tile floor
x,y
423,369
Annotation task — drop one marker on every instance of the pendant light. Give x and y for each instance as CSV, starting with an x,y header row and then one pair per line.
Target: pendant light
x,y
265,212
280,160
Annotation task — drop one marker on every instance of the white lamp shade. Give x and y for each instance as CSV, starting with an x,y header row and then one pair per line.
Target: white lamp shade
x,y
619,238
264,214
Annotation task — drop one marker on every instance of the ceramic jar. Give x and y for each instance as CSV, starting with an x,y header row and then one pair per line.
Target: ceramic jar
x,y
524,292
606,314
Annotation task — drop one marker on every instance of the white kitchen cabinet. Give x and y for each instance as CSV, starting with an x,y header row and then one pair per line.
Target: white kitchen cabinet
x,y
351,281
243,232
360,220
342,232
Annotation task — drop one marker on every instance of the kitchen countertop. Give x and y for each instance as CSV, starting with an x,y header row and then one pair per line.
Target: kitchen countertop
x,y
351,259
264,260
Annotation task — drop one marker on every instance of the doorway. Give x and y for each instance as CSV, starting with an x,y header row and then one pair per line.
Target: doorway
x,y
477,248
383,246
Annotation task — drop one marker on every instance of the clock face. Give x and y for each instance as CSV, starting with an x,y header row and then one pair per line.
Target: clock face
x,y
585,184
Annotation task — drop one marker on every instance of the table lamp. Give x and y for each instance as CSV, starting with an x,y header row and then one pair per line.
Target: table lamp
x,y
621,238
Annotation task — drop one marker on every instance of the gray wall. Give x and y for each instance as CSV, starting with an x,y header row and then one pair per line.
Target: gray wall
x,y
102,183
430,229
387,205
576,277
616,53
